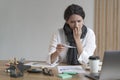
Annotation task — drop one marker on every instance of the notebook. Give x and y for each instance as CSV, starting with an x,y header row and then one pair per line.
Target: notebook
x,y
110,68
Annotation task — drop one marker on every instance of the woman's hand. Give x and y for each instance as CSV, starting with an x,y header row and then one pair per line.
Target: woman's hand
x,y
77,33
60,48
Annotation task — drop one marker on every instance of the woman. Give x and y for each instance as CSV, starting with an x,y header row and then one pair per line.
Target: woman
x,y
74,33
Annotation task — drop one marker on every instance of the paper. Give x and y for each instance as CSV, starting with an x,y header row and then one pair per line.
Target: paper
x,y
40,64
77,69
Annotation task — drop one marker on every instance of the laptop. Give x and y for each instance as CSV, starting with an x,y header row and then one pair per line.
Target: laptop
x,y
110,68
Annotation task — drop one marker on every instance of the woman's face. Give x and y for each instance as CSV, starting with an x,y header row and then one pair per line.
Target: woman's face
x,y
75,21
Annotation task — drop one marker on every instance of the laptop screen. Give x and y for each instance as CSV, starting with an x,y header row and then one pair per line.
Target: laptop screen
x,y
111,66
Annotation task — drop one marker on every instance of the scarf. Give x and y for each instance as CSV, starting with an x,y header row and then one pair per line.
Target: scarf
x,y
72,53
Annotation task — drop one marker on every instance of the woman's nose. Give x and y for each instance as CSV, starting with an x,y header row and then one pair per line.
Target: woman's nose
x,y
76,24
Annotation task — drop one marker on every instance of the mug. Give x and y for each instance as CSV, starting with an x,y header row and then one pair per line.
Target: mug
x,y
94,64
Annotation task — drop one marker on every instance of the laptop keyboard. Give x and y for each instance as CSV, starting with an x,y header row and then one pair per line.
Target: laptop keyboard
x,y
94,76
97,77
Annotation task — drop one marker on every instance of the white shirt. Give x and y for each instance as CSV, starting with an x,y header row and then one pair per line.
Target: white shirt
x,y
88,43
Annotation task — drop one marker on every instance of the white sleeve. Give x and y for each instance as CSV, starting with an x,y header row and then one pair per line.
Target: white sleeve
x,y
52,47
89,46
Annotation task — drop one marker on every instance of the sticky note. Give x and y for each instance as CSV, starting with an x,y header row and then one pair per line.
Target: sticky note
x,y
64,76
72,73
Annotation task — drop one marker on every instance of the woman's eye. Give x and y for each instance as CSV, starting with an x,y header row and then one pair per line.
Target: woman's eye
x,y
76,21
79,20
72,21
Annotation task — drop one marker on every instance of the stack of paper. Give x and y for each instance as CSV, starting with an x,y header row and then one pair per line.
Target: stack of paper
x,y
77,69
40,64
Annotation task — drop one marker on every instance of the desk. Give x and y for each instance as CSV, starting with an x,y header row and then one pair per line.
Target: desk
x,y
39,76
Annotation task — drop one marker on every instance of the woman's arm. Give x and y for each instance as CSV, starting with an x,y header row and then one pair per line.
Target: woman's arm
x,y
87,47
77,33
55,48
54,55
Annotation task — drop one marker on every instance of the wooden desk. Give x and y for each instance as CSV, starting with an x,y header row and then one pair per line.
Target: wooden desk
x,y
39,76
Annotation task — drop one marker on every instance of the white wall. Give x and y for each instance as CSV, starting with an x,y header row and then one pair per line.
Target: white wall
x,y
26,26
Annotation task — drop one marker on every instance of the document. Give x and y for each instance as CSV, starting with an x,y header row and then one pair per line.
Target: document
x,y
40,64
77,69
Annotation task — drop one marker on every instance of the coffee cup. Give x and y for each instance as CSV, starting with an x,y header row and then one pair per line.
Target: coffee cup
x,y
94,64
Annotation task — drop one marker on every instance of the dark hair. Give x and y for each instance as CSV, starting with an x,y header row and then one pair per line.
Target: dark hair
x,y
73,9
